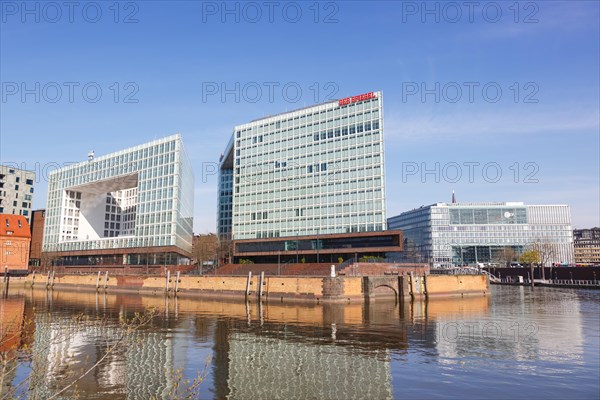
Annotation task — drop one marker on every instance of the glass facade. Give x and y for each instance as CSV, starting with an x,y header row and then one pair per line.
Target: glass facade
x,y
138,197
317,170
466,233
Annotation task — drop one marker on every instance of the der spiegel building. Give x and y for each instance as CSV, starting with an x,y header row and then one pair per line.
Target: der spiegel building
x,y
315,174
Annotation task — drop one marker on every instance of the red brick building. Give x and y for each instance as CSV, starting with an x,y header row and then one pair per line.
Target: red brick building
x,y
15,240
37,236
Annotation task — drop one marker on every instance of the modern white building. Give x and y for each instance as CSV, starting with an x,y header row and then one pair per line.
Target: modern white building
x,y
131,207
458,233
16,191
313,171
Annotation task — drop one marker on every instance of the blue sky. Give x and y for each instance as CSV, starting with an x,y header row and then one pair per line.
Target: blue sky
x,y
542,56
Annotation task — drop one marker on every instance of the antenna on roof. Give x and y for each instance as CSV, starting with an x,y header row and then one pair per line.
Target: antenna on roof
x,y
453,198
91,155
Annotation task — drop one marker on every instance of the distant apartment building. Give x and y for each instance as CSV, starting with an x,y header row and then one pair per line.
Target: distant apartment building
x,y
15,239
16,191
587,246
467,233
37,237
131,207
313,173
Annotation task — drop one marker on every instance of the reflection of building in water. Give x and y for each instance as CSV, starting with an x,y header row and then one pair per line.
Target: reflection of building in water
x,y
261,367
64,347
518,329
12,327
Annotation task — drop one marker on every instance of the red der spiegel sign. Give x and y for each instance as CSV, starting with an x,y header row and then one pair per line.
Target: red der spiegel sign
x,y
354,99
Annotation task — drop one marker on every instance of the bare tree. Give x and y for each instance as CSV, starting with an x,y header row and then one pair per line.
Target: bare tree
x,y
507,255
225,249
205,248
546,251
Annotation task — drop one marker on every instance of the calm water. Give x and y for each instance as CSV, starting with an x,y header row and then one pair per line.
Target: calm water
x,y
513,344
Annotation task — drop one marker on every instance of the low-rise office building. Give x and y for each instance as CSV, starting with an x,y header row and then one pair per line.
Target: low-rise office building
x,y
469,233
587,246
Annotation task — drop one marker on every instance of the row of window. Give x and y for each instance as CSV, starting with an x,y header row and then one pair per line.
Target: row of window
x,y
253,163
316,116
323,230
369,128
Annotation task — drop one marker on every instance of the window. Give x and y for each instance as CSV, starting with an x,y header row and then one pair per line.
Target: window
x,y
16,187
18,179
29,181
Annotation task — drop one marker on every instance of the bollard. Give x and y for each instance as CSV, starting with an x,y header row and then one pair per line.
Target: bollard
x,y
332,271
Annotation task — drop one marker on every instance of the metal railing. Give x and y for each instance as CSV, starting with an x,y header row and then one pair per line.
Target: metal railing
x,y
459,271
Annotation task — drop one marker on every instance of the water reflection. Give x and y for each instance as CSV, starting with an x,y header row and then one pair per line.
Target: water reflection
x,y
276,350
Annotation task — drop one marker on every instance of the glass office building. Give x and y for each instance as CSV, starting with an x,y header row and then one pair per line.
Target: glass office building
x,y
317,170
468,233
139,200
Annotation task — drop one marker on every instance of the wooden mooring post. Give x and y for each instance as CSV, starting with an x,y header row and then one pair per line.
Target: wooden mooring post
x,y
260,284
98,282
168,279
248,283
6,281
177,284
